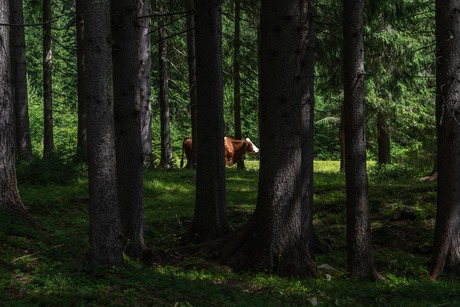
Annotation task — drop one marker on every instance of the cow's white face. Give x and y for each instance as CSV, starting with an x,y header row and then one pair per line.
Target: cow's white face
x,y
254,147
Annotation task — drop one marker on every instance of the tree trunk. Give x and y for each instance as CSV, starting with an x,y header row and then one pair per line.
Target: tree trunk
x,y
23,141
278,237
446,253
359,248
47,80
166,152
81,142
127,124
145,71
191,57
210,217
383,139
10,201
342,139
236,77
105,228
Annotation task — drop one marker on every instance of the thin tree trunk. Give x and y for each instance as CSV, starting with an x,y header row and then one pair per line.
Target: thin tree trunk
x,y
48,137
210,218
383,140
446,253
236,77
145,71
342,139
359,248
128,125
10,201
166,152
23,141
81,142
191,57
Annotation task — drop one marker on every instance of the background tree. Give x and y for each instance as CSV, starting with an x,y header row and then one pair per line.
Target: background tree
x,y
359,248
191,60
48,137
127,124
105,227
446,254
278,236
166,153
236,76
23,141
81,143
210,217
145,71
10,201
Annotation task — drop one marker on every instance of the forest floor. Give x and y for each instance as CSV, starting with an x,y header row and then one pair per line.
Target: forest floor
x,y
45,266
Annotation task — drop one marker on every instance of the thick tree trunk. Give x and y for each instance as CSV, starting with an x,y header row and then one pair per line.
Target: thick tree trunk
x,y
210,218
127,124
81,142
18,44
279,234
236,77
105,228
191,58
359,248
10,201
48,137
383,140
145,71
166,152
446,254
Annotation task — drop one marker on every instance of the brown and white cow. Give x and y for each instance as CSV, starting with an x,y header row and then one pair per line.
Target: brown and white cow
x,y
234,150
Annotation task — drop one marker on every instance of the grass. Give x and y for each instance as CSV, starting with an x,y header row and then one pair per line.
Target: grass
x,y
47,267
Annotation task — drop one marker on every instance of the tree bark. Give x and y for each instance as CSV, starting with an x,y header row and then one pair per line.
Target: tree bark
x,y
23,141
383,140
279,235
81,142
105,227
48,137
359,248
446,253
145,71
166,152
236,77
191,58
342,139
210,217
10,201
127,124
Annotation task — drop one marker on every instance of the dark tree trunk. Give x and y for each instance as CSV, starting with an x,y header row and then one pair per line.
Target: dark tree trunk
x,y
191,75
446,254
236,77
105,228
342,139
279,234
210,218
48,138
81,142
10,201
145,71
23,141
166,152
383,140
127,124
359,248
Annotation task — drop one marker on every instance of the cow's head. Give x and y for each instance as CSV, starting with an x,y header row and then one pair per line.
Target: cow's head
x,y
250,147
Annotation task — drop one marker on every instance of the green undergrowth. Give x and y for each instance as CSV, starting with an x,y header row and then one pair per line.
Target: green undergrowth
x,y
45,266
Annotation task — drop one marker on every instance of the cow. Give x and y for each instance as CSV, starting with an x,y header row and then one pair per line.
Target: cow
x,y
234,150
